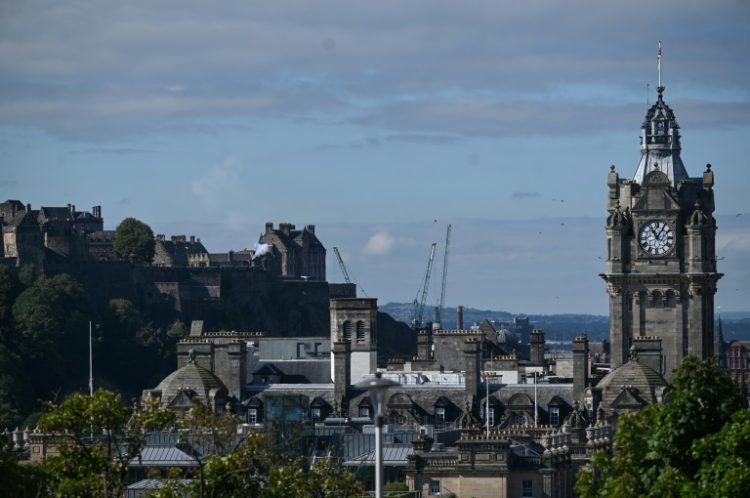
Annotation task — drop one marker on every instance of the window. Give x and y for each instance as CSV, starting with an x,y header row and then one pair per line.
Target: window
x,y
364,411
439,415
348,331
315,414
252,416
360,332
399,419
520,420
554,416
434,487
527,489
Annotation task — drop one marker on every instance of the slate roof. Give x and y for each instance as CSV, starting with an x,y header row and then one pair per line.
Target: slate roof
x,y
662,144
163,456
633,375
24,218
190,377
298,371
55,213
393,456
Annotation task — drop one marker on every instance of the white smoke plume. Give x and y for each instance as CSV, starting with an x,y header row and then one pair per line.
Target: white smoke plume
x,y
261,249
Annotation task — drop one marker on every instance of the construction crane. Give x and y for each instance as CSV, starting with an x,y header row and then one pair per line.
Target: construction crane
x,y
342,265
345,272
439,309
419,302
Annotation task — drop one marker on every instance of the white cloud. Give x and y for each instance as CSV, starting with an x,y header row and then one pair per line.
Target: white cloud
x,y
380,244
220,178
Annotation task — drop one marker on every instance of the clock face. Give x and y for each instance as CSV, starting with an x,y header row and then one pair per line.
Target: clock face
x,y
656,238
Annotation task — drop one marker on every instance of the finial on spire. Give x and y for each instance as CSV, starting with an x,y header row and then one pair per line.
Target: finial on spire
x,y
708,167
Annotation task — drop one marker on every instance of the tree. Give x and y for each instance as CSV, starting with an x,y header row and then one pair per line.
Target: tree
x,y
97,437
133,238
253,466
16,479
177,330
681,447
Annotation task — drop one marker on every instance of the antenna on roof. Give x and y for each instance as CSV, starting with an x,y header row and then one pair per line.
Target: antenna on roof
x,y
658,64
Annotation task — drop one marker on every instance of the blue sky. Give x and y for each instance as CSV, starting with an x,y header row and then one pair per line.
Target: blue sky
x,y
372,120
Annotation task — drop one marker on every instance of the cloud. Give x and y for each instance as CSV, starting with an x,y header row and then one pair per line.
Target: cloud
x,y
100,70
380,244
525,195
119,151
220,178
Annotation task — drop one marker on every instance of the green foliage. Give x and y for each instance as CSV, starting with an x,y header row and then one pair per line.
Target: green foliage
x,y
14,388
253,466
18,480
133,238
177,330
98,436
696,444
28,275
397,490
49,313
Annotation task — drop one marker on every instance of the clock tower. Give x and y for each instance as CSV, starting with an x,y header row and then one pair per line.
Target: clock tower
x,y
661,263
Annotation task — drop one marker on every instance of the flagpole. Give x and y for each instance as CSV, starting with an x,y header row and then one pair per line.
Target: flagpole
x,y
658,64
91,365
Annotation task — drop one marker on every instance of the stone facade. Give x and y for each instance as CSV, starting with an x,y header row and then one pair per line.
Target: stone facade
x,y
661,262
32,236
294,253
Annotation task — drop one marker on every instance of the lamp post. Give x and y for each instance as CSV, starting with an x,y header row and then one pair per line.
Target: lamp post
x,y
377,387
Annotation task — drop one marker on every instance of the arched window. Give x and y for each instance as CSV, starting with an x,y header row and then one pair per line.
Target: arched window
x,y
360,332
670,299
348,331
656,300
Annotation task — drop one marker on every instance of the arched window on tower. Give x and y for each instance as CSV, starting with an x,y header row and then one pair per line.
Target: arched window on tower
x,y
360,332
656,300
347,331
670,299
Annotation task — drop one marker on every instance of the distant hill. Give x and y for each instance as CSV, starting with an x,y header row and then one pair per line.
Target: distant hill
x,y
564,327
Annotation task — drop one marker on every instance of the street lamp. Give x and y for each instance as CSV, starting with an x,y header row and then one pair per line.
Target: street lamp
x,y
377,386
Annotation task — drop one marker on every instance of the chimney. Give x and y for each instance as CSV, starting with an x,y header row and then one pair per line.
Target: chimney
x,y
72,209
537,347
269,227
342,372
460,317
311,229
472,353
580,366
424,344
96,211
231,256
285,228
192,239
160,236
648,352
28,207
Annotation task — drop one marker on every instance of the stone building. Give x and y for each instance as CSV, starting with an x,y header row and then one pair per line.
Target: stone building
x,y
294,253
34,236
180,251
661,261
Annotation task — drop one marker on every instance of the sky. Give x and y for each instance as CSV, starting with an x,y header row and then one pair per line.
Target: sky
x,y
380,123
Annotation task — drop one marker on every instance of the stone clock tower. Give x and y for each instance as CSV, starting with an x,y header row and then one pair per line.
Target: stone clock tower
x,y
661,263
